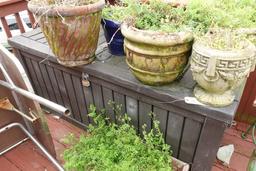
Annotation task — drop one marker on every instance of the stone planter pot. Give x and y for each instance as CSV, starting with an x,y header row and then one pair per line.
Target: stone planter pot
x,y
72,32
218,72
156,58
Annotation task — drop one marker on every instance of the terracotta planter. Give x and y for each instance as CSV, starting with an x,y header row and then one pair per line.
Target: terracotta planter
x,y
219,72
156,58
72,32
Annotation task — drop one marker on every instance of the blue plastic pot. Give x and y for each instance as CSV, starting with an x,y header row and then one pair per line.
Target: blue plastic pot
x,y
116,47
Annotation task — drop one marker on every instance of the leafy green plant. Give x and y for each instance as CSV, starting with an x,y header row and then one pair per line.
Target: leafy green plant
x,y
117,147
224,39
66,3
204,14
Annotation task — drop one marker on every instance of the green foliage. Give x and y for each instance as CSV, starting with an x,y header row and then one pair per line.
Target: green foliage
x,y
233,14
224,39
199,15
113,147
66,3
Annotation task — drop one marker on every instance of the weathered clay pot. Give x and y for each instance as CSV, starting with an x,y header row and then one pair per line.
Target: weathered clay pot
x,y
156,58
219,72
72,32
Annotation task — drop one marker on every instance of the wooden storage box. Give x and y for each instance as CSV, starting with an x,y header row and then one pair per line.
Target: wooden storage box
x,y
193,131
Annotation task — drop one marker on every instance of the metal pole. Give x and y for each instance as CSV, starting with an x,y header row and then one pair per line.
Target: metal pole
x,y
39,99
10,85
48,155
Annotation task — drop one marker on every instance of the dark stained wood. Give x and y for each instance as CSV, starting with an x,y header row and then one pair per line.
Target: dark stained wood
x,y
119,99
144,116
88,98
54,84
77,82
132,111
40,79
162,116
207,147
116,71
97,95
174,132
48,83
108,98
189,140
33,77
149,100
182,124
72,96
19,22
62,88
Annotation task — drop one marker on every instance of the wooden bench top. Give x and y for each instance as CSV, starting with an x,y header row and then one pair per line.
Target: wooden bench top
x,y
116,71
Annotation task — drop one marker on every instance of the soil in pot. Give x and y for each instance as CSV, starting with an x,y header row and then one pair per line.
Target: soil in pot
x,y
72,31
113,36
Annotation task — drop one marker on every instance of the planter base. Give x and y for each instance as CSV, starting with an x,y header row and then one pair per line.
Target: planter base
x,y
76,63
214,99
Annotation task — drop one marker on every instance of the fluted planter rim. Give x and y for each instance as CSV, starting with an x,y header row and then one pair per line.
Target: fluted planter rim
x,y
65,11
248,51
155,37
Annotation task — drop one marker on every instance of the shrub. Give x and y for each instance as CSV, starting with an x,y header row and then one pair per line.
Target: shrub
x,y
115,147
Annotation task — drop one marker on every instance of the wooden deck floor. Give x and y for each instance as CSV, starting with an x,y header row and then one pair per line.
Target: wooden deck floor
x,y
27,157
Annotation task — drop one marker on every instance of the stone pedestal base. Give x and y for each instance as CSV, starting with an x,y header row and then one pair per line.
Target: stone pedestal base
x,y
214,99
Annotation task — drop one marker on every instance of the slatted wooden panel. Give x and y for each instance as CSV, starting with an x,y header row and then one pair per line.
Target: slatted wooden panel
x,y
176,129
186,129
67,89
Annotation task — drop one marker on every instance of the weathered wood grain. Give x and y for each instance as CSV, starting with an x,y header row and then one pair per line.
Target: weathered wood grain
x,y
108,98
189,140
72,96
174,131
162,116
79,94
132,108
144,116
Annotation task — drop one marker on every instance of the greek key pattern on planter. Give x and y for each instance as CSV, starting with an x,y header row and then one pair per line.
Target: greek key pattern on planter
x,y
222,63
227,69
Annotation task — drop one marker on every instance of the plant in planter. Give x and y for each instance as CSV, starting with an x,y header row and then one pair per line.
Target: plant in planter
x,y
220,63
113,16
71,28
117,147
222,59
157,42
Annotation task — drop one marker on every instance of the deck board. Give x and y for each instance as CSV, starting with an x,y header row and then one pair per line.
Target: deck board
x,y
7,165
27,157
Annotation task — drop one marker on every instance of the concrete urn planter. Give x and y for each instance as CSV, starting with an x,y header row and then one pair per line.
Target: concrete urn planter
x,y
156,58
72,32
219,72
